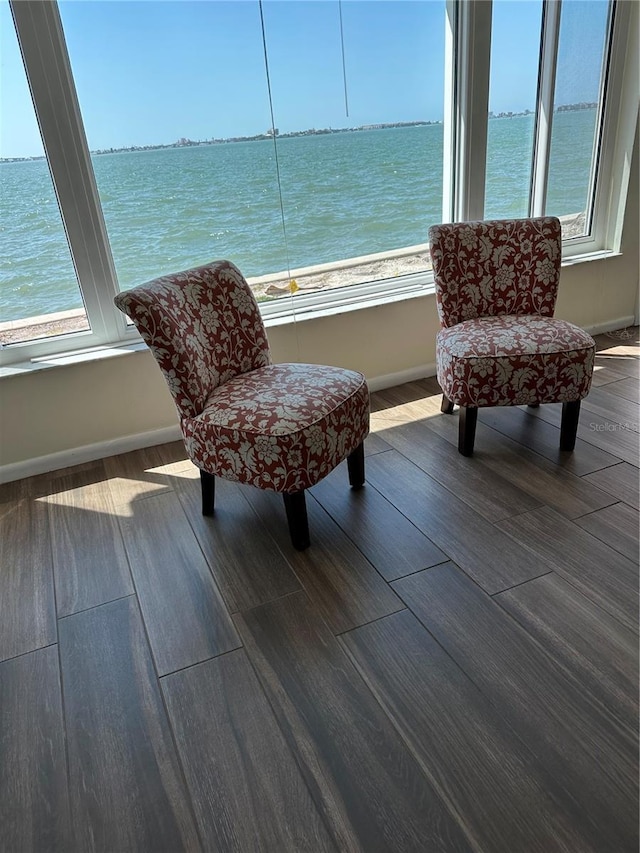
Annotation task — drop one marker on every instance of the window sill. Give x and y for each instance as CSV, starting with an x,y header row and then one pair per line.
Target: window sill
x,y
586,257
355,297
305,307
285,311
71,358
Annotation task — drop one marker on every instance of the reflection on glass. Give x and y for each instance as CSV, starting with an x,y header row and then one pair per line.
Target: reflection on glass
x,y
581,51
39,293
515,50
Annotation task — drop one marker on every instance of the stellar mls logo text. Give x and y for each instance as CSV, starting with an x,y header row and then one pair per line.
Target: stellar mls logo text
x,y
607,427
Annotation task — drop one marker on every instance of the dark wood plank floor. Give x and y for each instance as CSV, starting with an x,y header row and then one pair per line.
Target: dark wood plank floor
x,y
451,666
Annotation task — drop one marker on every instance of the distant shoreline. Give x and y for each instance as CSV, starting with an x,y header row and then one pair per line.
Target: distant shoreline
x,y
189,143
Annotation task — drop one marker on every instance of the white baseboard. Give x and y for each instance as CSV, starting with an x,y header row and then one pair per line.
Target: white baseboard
x,y
102,449
87,453
379,383
612,326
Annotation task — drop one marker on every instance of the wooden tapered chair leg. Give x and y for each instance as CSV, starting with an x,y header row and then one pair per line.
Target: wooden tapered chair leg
x,y
446,406
355,464
467,429
296,509
569,425
208,489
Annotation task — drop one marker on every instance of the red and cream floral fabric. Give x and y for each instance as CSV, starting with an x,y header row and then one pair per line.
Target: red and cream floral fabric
x,y
203,327
281,427
496,287
513,360
496,267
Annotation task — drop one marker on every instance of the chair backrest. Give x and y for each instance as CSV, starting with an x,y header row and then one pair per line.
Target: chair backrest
x,y
202,325
500,266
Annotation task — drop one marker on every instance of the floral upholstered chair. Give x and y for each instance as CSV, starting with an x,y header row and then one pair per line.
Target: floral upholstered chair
x,y
499,345
281,427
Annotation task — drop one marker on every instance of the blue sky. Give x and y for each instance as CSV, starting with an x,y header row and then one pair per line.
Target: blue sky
x,y
151,72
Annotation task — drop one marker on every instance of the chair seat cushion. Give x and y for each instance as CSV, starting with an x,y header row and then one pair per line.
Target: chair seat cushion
x,y
514,359
283,427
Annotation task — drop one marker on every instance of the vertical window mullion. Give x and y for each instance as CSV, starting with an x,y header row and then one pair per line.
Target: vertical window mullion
x,y
450,129
620,115
545,102
48,71
597,142
465,169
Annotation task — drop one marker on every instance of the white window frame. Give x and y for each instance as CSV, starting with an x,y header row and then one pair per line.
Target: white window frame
x,y
467,115
50,79
544,107
467,60
615,133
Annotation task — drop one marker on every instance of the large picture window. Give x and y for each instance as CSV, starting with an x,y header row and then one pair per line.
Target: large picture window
x,y
277,162
583,45
39,291
513,86
312,143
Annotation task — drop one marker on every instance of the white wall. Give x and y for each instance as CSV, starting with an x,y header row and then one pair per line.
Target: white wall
x,y
101,407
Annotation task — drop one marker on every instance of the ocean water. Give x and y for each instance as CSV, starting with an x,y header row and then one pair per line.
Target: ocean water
x,y
343,195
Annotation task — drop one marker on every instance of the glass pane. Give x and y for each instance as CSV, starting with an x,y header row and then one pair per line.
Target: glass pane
x,y
162,86
515,52
39,292
175,103
583,38
364,179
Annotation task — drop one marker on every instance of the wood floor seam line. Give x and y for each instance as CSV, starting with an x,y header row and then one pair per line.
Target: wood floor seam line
x,y
522,583
22,654
199,663
179,760
94,606
373,621
65,739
